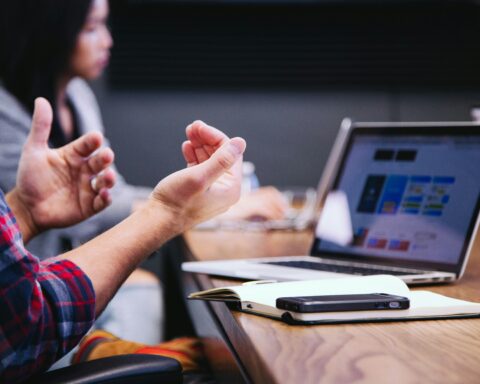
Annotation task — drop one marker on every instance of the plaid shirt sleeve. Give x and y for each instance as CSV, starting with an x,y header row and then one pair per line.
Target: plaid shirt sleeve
x,y
45,307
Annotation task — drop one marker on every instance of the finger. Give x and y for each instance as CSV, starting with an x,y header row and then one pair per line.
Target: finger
x,y
205,139
102,200
85,145
223,160
201,154
100,161
105,180
209,149
201,134
93,184
189,153
41,123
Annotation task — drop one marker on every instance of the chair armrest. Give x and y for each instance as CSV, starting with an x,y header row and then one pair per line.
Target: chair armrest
x,y
122,369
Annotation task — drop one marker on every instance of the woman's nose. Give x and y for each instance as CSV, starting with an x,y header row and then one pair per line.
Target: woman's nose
x,y
107,40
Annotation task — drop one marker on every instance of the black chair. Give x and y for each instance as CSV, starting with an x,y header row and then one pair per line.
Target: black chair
x,y
122,369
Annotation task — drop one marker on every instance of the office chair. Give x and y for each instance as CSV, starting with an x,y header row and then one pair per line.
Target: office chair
x,y
122,369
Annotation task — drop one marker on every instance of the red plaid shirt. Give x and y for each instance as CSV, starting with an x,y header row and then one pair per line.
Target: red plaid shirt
x,y
45,306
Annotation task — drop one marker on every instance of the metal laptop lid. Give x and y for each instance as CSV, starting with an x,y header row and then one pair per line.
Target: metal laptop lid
x,y
413,191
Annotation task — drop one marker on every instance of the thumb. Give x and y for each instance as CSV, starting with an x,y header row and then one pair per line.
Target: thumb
x,y
223,159
41,122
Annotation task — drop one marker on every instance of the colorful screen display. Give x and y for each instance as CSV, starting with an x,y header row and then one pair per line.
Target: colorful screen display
x,y
410,197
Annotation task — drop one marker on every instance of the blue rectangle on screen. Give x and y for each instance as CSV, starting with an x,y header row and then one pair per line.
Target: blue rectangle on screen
x,y
420,179
414,199
392,194
432,213
444,180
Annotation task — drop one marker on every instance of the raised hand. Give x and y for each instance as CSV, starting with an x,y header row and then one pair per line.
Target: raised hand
x,y
210,184
266,203
202,141
60,187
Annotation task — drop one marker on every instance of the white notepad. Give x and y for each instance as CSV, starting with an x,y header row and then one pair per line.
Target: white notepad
x,y
260,299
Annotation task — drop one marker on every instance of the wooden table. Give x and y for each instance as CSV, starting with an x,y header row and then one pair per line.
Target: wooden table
x,y
249,348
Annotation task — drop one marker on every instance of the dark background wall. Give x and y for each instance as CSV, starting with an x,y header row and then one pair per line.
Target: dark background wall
x,y
283,76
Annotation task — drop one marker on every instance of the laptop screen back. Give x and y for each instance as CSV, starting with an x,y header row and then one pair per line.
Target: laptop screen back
x,y
413,195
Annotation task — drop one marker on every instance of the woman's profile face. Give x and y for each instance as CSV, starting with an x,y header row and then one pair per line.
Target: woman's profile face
x,y
92,50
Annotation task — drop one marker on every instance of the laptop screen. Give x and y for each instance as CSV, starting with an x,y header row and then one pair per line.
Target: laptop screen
x,y
413,195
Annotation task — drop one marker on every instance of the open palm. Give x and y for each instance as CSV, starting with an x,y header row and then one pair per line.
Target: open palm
x,y
211,183
55,184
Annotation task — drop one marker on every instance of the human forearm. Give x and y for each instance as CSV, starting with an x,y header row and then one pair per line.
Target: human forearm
x,y
178,202
110,258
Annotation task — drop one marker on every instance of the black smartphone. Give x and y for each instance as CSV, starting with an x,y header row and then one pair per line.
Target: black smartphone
x,y
335,303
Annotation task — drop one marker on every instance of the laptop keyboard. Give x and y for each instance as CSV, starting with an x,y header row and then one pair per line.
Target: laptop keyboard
x,y
352,270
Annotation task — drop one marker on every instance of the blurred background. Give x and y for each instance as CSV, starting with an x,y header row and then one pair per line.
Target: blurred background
x,y
282,74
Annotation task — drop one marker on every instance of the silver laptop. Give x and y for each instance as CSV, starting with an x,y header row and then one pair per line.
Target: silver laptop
x,y
412,191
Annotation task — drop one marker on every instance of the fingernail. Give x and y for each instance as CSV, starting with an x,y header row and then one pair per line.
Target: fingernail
x,y
238,145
